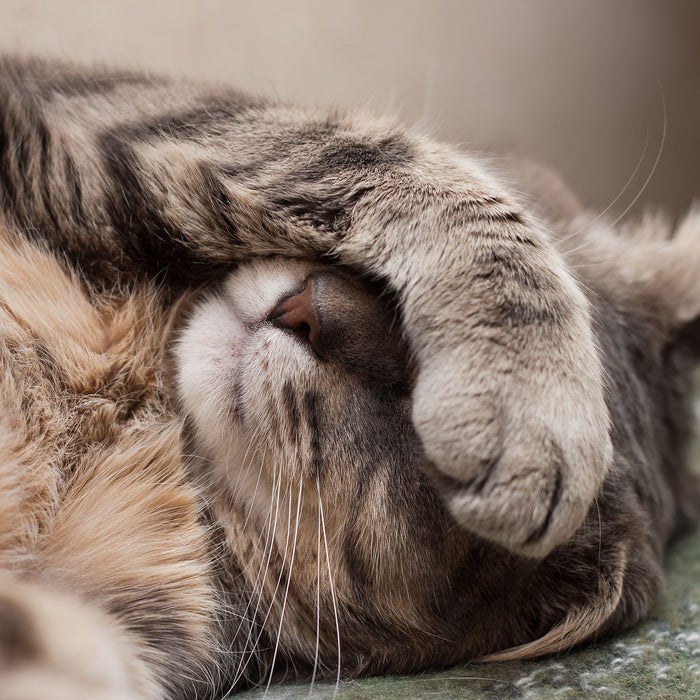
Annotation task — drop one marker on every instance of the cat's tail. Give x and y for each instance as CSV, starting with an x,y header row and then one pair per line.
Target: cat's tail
x,y
580,625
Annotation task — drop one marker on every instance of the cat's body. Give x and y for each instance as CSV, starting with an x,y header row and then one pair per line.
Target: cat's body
x,y
320,508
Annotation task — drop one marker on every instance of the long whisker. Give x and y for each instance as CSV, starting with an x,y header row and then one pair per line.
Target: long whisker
x,y
639,253
587,243
318,596
289,578
259,583
257,484
273,597
330,581
653,167
601,214
246,611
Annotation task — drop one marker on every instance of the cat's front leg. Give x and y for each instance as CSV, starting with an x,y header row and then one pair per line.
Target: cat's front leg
x,y
509,401
54,646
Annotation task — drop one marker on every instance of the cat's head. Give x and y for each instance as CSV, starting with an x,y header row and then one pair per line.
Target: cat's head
x,y
297,381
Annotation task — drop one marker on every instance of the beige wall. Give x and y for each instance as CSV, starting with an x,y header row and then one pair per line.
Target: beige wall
x,y
581,84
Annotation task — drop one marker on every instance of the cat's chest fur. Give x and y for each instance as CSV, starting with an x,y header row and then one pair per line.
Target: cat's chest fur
x,y
84,371
93,495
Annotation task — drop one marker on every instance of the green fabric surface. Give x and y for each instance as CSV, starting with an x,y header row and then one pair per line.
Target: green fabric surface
x,y
659,659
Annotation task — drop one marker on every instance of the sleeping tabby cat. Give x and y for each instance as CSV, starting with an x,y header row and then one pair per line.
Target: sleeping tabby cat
x,y
432,431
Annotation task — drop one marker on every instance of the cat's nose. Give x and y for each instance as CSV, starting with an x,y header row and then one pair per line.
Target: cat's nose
x,y
298,313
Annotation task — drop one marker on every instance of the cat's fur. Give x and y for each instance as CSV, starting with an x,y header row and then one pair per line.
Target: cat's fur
x,y
139,177
370,479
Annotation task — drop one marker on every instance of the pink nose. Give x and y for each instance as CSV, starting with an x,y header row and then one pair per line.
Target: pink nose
x,y
298,313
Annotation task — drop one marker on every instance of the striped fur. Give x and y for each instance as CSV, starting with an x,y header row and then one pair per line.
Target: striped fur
x,y
176,182
480,452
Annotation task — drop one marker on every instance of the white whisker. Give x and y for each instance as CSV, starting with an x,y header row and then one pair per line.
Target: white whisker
x,y
244,615
261,577
289,577
653,167
330,582
624,189
318,597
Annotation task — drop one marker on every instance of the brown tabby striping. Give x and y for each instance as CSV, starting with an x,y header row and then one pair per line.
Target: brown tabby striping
x,y
433,431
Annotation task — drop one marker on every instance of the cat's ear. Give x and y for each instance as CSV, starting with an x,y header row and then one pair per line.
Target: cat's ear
x,y
670,279
680,278
685,273
655,267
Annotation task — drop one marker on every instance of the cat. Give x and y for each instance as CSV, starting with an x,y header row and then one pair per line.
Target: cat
x,y
433,430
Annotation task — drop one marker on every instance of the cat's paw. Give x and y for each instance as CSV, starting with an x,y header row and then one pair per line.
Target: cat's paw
x,y
518,463
54,647
518,441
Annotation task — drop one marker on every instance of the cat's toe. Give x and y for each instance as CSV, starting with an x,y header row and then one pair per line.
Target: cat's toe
x,y
519,468
527,500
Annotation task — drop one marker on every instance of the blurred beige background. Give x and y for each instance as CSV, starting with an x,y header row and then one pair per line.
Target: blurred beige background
x,y
585,85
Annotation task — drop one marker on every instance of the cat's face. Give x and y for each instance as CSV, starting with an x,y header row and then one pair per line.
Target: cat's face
x,y
298,368
297,381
